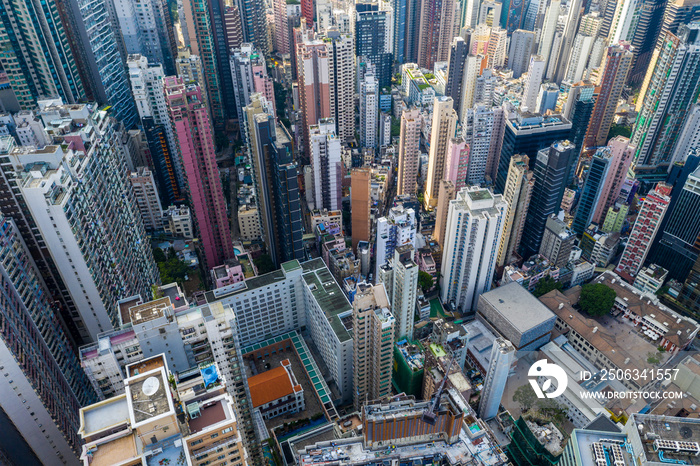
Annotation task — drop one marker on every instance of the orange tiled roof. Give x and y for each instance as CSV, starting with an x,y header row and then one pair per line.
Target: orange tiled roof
x,y
269,386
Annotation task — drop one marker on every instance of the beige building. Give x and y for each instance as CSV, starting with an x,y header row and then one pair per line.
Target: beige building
x,y
177,221
373,336
144,187
248,223
360,204
517,194
142,425
447,193
442,130
409,151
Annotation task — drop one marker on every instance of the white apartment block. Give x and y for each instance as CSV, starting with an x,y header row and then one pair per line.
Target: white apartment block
x,y
326,164
147,201
409,151
482,129
369,111
249,222
474,227
442,130
403,290
398,229
30,131
147,87
531,86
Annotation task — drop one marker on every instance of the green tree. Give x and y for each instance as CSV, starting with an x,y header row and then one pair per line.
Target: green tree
x,y
619,130
425,280
525,396
264,264
596,299
546,285
395,127
159,255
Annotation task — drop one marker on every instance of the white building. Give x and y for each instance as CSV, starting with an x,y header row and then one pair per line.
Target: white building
x,y
147,198
30,130
384,129
326,164
177,221
403,290
482,129
502,356
531,87
650,279
369,111
474,227
397,229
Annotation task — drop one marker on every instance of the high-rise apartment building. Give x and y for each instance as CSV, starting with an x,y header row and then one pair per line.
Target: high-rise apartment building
x,y
590,195
483,129
37,54
621,152
280,34
374,37
195,135
233,27
326,165
435,31
617,64
578,109
531,87
689,137
403,290
550,173
457,162
459,49
677,13
522,44
275,181
94,45
516,195
249,74
369,111
670,88
44,385
527,134
644,230
360,204
373,329
145,27
144,186
200,31
397,229
341,74
474,229
497,50
471,72
502,356
447,193
580,53
314,58
409,151
557,241
92,228
442,130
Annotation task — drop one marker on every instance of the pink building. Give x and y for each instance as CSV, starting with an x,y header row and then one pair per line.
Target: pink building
x,y
281,31
644,230
621,152
313,79
193,127
457,162
261,81
227,274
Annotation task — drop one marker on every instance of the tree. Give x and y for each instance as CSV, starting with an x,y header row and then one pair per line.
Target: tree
x,y
596,299
159,255
525,396
546,285
264,264
425,280
395,127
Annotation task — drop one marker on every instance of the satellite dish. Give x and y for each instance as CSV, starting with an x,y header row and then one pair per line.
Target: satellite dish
x,y
150,386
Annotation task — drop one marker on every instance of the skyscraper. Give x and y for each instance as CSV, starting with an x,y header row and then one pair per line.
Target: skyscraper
x,y
369,111
483,129
313,61
474,228
200,32
326,165
551,168
442,130
516,195
644,230
97,58
435,32
447,193
280,36
249,75
648,22
400,8
457,163
360,204
592,188
44,385
409,151
374,38
578,109
497,50
372,326
403,290
37,55
621,152
502,355
342,83
455,70
557,241
617,64
670,88
254,22
531,87
195,137
522,44
677,13
396,229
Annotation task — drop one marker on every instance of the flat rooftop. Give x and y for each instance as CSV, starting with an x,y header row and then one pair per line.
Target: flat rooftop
x,y
327,294
151,310
115,451
103,415
518,306
210,415
583,442
668,434
145,365
149,396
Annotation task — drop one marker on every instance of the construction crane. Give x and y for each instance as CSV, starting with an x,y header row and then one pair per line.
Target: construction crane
x,y
429,416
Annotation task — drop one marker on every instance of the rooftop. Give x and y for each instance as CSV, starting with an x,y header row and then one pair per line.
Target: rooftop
x,y
209,415
103,415
584,442
327,294
151,310
675,439
149,396
518,306
114,451
269,386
